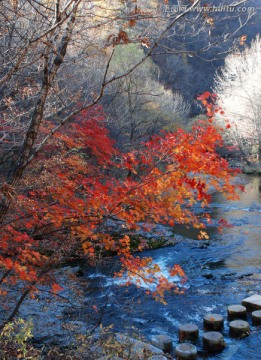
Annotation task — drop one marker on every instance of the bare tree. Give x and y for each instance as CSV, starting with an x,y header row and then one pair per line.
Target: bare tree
x,y
44,46
139,106
44,50
238,86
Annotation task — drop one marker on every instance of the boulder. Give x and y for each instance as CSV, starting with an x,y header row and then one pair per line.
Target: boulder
x,y
137,349
252,303
162,342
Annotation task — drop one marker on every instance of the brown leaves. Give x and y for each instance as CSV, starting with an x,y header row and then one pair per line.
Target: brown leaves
x,y
242,40
121,38
145,42
8,191
132,22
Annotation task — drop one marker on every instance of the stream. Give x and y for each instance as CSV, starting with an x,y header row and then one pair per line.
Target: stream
x,y
221,271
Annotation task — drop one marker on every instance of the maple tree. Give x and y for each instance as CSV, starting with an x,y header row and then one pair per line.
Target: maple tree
x,y
82,183
61,188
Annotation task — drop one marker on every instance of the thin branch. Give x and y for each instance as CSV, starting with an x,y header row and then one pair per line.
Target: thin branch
x,y
159,38
72,114
106,82
7,76
57,24
58,295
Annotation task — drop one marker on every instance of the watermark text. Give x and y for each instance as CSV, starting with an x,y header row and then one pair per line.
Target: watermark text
x,y
173,9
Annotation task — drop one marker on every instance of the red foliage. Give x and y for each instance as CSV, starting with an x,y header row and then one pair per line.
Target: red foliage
x,y
81,186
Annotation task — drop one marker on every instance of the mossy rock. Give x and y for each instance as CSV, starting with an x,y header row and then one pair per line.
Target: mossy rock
x,y
156,243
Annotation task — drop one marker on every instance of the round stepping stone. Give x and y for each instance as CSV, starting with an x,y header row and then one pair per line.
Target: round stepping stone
x,y
213,322
213,341
235,312
188,332
256,318
186,351
239,328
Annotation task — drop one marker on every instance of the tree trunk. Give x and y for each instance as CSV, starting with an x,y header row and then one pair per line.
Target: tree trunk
x,y
37,117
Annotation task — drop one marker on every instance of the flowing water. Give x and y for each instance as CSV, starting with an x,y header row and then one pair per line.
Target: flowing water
x,y
221,271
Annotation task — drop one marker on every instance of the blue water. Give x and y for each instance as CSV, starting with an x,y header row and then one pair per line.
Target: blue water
x,y
221,271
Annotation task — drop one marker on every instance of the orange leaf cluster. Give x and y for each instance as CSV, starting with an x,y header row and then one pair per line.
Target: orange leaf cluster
x,y
81,188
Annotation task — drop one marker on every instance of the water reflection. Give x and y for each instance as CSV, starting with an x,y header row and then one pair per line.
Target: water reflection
x,y
252,190
243,240
245,216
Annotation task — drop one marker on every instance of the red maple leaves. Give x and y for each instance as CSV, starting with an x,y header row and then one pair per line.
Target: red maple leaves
x,y
82,186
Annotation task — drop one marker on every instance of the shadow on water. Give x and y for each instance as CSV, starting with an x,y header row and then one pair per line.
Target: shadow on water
x,y
221,272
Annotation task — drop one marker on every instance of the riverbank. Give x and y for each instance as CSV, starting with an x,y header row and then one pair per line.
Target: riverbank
x,y
221,271
47,331
71,324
